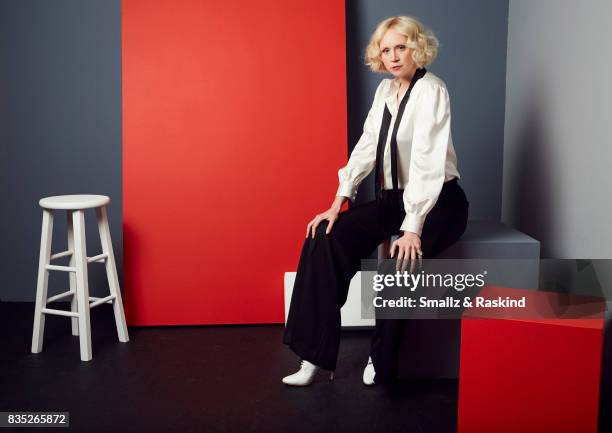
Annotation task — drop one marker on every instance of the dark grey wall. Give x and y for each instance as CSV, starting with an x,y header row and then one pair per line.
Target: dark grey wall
x,y
60,128
472,62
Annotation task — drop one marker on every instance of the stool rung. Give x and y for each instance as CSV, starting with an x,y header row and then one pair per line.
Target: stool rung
x,y
94,298
59,312
60,296
62,254
98,301
60,268
99,258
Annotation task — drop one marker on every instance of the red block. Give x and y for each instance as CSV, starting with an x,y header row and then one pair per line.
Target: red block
x,y
534,369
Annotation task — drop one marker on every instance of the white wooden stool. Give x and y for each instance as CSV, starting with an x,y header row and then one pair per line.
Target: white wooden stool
x,y
77,270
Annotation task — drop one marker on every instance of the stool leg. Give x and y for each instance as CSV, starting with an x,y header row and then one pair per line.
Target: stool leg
x,y
82,290
111,274
72,275
43,281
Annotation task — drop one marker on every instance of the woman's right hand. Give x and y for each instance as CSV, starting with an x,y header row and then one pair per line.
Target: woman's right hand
x,y
330,215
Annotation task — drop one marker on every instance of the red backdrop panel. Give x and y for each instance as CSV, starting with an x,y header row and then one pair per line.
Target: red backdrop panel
x,y
234,127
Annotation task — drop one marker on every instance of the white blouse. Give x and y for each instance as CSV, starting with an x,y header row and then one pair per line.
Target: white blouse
x,y
425,154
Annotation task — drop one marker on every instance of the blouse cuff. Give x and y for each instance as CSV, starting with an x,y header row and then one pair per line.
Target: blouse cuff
x,y
413,223
347,189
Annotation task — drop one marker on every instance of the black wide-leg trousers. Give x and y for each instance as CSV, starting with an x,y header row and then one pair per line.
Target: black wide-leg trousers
x,y
328,262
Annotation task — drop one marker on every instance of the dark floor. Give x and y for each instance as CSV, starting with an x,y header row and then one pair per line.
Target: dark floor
x,y
202,379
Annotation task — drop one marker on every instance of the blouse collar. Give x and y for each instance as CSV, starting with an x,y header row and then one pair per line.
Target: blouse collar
x,y
391,98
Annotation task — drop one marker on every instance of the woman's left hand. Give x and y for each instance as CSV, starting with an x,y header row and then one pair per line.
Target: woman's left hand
x,y
408,248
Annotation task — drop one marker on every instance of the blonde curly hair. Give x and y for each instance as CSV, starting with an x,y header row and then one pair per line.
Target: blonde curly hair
x,y
420,39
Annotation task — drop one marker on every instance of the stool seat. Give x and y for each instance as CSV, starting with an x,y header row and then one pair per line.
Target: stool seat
x,y
74,201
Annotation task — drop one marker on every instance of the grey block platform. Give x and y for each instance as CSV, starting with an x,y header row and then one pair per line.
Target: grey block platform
x,y
487,239
431,347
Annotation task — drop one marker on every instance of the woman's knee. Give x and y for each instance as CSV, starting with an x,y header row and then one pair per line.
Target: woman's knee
x,y
321,230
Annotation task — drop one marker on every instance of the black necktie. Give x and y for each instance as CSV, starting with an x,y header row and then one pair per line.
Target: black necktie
x,y
382,138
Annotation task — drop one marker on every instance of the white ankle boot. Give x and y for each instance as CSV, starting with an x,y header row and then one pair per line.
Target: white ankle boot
x,y
304,376
369,373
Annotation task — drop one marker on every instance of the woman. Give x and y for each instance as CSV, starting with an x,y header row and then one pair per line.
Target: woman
x,y
407,137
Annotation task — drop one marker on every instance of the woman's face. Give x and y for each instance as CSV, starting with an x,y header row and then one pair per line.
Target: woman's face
x,y
396,55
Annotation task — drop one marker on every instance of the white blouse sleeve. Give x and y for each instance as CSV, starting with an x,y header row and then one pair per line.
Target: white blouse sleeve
x,y
430,141
363,156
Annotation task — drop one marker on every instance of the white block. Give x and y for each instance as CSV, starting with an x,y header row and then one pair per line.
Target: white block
x,y
350,312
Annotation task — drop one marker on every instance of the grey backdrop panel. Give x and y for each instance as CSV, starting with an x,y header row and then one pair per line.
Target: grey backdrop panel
x,y
60,129
472,62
